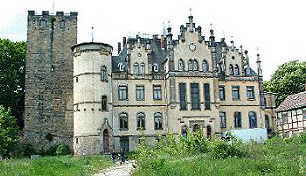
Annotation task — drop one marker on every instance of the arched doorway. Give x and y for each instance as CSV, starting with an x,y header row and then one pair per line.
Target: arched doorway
x,y
105,141
208,132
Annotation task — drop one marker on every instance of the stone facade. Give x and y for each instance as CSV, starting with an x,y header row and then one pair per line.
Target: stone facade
x,y
49,68
154,86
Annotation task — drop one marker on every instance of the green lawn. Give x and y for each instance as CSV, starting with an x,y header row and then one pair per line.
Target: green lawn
x,y
54,166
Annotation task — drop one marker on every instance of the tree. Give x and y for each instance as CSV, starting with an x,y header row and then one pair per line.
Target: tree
x,y
8,132
12,77
288,79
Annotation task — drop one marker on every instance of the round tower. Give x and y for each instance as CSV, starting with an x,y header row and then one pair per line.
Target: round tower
x,y
92,97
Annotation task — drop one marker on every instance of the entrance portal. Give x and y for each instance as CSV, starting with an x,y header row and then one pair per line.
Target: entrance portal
x,y
105,141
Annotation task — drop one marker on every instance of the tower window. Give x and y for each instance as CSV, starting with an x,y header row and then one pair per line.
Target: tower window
x,y
103,73
205,66
236,70
181,65
136,69
104,103
231,69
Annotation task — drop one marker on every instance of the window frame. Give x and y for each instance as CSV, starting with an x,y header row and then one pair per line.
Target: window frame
x,y
253,124
158,115
141,121
237,119
223,98
183,99
222,119
236,88
252,90
195,96
157,88
123,125
120,88
104,104
140,89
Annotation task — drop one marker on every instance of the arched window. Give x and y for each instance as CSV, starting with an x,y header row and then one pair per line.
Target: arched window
x,y
237,120
142,69
136,69
205,66
103,73
158,121
104,103
236,70
231,69
190,65
181,65
252,119
140,121
195,65
123,121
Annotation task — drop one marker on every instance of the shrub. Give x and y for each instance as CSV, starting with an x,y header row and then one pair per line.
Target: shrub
x,y
63,149
220,149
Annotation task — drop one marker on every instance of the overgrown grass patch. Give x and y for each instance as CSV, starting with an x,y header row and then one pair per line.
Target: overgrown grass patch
x,y
182,158
54,166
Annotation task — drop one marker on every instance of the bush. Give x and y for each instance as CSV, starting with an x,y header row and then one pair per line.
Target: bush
x,y
63,149
220,149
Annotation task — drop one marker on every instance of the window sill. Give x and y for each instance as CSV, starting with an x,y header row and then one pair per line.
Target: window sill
x,y
124,129
141,129
195,109
159,129
140,100
157,99
236,99
123,100
251,99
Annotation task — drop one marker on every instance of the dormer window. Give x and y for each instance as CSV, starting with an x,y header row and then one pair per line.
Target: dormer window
x,y
236,70
155,67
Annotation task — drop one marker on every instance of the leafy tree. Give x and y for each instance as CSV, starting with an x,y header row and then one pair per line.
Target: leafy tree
x,y
288,79
12,77
8,132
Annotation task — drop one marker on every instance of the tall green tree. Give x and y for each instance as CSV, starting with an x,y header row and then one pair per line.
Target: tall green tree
x,y
8,132
288,79
12,77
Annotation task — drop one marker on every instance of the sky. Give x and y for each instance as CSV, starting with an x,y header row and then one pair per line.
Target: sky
x,y
274,28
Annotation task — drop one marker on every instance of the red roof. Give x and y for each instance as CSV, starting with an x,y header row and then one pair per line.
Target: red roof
x,y
293,102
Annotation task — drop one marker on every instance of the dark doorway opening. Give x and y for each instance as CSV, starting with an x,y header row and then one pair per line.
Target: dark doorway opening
x,y
106,141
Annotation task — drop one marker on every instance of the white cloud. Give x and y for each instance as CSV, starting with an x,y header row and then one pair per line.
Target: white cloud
x,y
277,26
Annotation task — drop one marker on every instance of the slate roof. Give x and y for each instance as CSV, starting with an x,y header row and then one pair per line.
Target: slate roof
x,y
293,102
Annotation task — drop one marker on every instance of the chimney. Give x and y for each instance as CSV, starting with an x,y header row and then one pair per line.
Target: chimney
x,y
119,47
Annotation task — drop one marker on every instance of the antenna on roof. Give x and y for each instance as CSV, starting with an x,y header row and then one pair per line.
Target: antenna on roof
x,y
92,34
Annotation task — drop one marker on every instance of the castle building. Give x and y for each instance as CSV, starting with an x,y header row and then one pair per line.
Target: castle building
x,y
84,96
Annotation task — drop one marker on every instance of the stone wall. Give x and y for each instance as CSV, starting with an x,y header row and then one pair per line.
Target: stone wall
x,y
49,83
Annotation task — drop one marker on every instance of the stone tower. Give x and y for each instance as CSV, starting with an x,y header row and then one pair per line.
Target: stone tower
x,y
92,87
49,79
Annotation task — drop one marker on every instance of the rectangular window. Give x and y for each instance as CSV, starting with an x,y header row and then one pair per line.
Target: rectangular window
x,y
104,103
195,96
182,91
237,120
235,93
157,92
222,116
207,96
221,93
103,73
250,93
140,92
123,92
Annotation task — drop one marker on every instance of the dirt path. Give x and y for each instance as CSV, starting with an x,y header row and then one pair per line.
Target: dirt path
x,y
118,170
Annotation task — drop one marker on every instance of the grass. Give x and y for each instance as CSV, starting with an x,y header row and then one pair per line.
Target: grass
x,y
54,166
277,157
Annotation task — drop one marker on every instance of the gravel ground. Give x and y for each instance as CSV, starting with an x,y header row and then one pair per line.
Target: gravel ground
x,y
118,170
